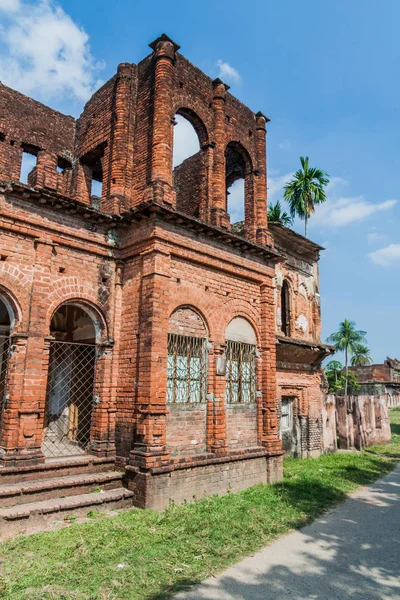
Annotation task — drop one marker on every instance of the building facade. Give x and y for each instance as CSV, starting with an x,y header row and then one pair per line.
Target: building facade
x,y
140,327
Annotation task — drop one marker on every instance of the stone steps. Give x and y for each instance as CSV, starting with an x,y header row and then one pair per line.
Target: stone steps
x,y
38,516
59,467
12,494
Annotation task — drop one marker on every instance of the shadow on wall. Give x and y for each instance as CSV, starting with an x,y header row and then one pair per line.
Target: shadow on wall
x,y
344,557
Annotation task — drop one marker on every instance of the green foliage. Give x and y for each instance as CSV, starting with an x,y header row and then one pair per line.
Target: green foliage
x,y
361,356
277,215
337,379
142,554
305,191
347,339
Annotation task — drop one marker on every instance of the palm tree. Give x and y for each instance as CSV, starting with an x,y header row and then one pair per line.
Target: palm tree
x,y
361,356
306,190
277,215
346,339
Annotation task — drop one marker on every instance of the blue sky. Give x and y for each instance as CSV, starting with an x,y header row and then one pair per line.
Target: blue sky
x,y
326,73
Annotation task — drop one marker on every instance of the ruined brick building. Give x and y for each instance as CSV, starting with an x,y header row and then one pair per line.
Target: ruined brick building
x,y
139,329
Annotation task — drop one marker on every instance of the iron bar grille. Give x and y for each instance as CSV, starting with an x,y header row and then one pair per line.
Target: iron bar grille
x,y
69,398
4,353
241,372
187,369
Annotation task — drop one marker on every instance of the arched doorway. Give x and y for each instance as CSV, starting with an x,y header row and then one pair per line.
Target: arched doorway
x,y
5,328
70,383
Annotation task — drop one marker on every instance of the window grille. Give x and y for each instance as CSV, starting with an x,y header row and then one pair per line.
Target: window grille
x,y
4,353
241,372
287,413
187,369
69,398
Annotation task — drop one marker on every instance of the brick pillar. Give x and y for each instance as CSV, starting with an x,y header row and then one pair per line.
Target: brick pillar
x,y
102,438
121,152
207,177
46,174
150,444
219,443
161,187
10,159
262,235
19,441
28,373
219,215
82,182
270,429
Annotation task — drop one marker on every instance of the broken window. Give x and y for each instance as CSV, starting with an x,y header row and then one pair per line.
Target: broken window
x,y
285,308
287,413
28,163
188,162
70,384
187,369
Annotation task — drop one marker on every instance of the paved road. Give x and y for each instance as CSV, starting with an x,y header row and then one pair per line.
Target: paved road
x,y
351,552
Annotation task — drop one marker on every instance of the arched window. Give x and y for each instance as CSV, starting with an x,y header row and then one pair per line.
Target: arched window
x,y
285,308
187,357
5,327
188,162
241,362
70,383
235,187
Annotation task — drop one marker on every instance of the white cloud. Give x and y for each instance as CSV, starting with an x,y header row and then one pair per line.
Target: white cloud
x,y
226,72
43,52
9,5
343,211
186,141
387,256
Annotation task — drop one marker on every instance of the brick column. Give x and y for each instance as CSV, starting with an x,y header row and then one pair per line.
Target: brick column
x,y
20,436
218,373
262,235
102,438
161,161
150,444
270,430
28,373
121,152
46,174
219,215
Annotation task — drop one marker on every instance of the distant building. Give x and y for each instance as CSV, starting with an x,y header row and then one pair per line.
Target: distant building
x,y
380,380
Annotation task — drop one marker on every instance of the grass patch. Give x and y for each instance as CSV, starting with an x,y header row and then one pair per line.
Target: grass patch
x,y
393,449
149,555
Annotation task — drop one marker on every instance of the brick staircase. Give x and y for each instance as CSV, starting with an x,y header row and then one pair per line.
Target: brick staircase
x,y
32,498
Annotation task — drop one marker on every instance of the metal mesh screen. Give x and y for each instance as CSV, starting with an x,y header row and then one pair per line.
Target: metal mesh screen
x,y
187,369
241,374
69,398
4,352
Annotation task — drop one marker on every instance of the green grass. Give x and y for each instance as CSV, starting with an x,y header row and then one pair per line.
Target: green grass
x,y
393,449
148,555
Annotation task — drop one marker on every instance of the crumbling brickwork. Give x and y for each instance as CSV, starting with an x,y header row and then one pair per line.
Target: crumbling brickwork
x,y
155,272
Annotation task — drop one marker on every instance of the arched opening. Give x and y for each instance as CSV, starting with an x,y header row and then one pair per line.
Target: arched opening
x,y
188,162
5,329
285,308
70,384
241,362
187,357
237,186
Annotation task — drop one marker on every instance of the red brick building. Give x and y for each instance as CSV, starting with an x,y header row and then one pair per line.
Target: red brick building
x,y
138,328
